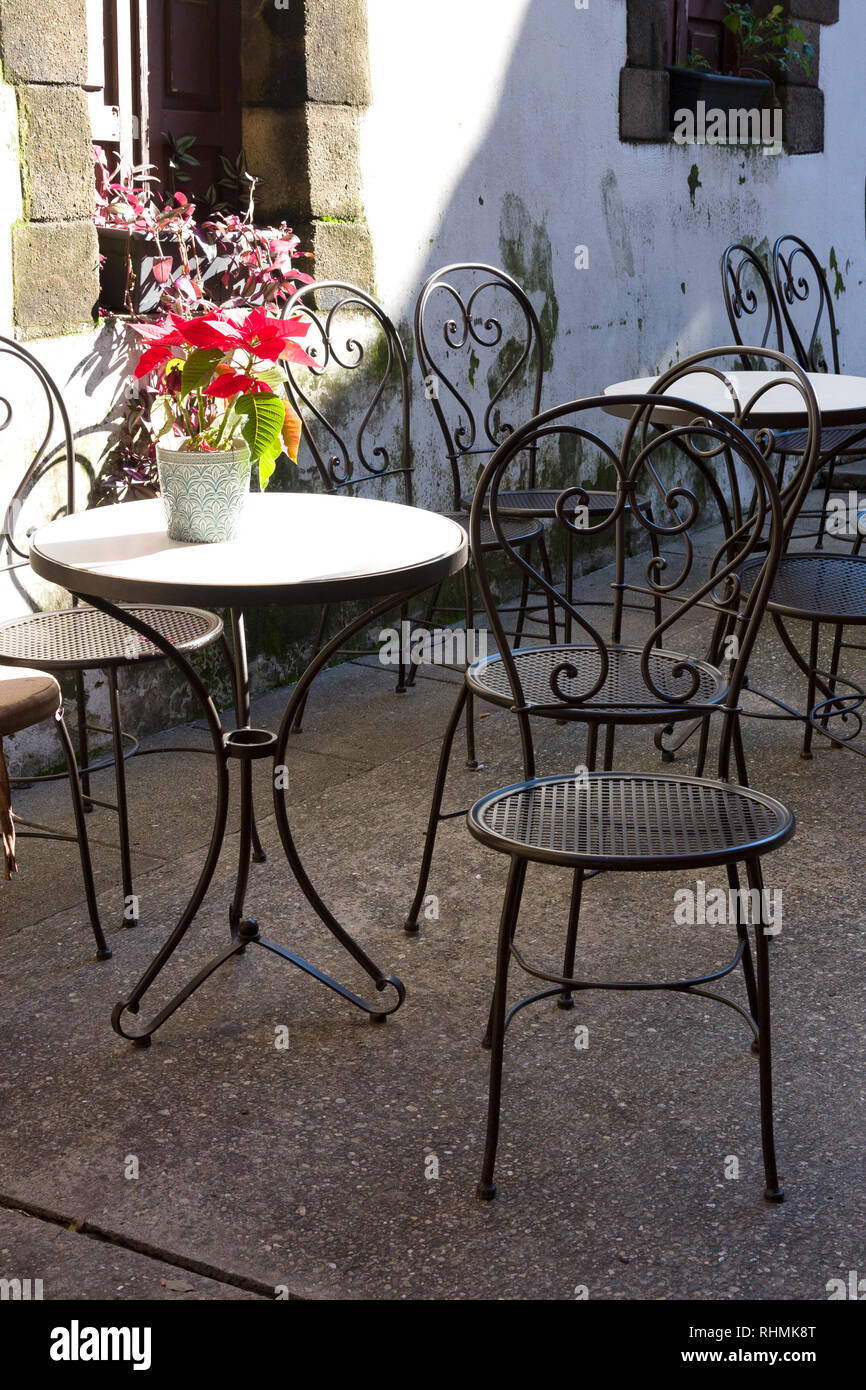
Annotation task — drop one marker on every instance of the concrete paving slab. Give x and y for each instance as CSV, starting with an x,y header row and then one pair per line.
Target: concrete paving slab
x,y
280,1137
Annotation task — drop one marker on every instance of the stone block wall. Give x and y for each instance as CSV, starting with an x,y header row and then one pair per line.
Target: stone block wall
x,y
54,247
306,84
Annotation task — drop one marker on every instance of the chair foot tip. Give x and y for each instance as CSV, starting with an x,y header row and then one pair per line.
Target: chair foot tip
x,y
411,927
485,1191
378,1018
141,1043
105,953
567,1003
260,857
774,1194
474,765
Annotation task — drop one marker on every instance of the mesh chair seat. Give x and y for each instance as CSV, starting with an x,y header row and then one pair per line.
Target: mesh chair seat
x,y
84,637
624,821
836,440
818,586
624,695
541,502
516,531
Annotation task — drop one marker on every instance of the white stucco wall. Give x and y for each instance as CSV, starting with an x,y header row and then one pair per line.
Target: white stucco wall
x,y
493,134
515,102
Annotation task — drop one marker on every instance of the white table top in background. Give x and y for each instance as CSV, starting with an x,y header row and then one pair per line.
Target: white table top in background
x,y
841,399
293,548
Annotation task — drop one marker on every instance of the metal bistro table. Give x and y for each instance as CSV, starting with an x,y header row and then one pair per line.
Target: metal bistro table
x,y
841,399
817,587
293,549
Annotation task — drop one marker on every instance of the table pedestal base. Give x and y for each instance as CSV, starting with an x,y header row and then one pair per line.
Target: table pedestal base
x,y
246,746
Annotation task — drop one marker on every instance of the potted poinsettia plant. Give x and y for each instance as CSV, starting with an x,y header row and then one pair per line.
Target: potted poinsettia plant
x,y
219,408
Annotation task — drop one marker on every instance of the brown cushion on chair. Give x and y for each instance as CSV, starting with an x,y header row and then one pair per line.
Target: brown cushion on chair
x,y
26,697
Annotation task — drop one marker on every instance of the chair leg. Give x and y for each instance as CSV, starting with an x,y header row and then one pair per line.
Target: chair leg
x,y
317,647
547,572
828,488
486,1189
772,1191
569,586
591,746
748,964
471,755
402,685
426,622
103,951
739,753
130,904
83,747
834,672
656,553
412,923
566,999
811,690
523,604
609,745
702,747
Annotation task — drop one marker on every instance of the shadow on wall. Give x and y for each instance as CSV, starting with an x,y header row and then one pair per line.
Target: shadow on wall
x,y
617,245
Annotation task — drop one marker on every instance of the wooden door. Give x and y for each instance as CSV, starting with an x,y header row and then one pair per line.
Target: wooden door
x,y
194,81
696,26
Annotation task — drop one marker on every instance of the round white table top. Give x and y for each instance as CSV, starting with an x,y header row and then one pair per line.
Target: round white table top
x,y
292,548
841,399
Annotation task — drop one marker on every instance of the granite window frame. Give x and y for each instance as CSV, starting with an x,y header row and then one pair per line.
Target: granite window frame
x,y
644,87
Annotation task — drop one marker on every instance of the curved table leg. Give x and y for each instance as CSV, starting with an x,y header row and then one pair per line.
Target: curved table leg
x,y
299,696
247,745
132,1003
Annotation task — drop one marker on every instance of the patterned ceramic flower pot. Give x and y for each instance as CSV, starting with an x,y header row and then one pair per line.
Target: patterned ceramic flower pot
x,y
203,494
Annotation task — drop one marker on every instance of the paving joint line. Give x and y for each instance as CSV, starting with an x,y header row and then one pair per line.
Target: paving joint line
x,y
80,1226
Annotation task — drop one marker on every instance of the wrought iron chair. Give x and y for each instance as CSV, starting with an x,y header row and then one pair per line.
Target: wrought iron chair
x,y
78,638
819,588
337,312
750,295
28,698
640,602
613,822
474,321
798,276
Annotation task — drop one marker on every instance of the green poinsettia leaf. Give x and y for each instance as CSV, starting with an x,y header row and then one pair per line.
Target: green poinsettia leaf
x,y
198,369
262,419
267,464
274,378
